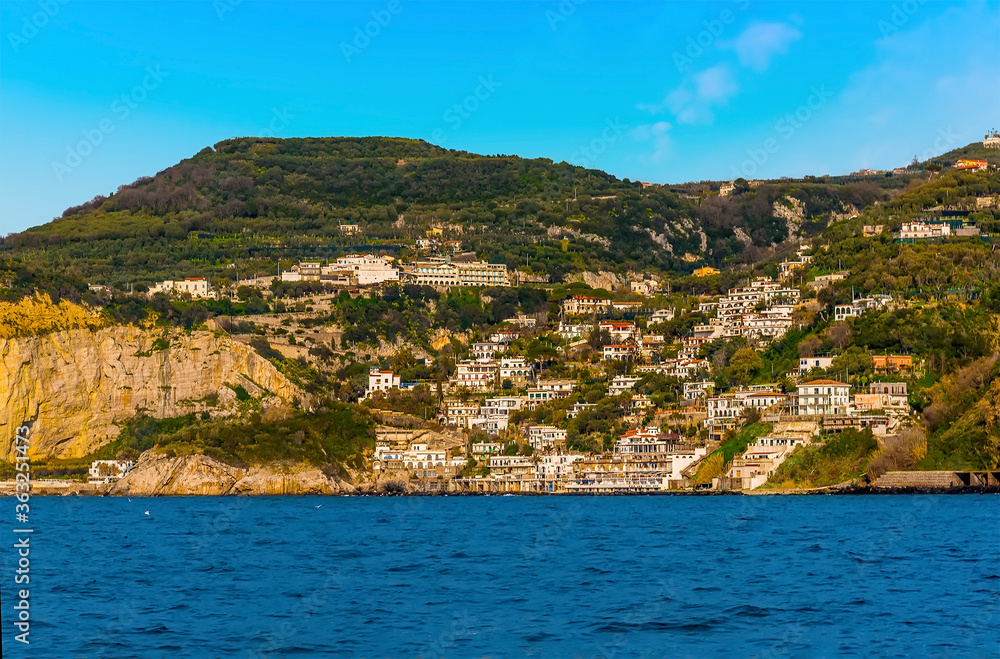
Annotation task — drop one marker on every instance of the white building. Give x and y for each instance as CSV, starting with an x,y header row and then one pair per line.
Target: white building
x,y
198,287
488,349
861,305
108,471
445,272
546,438
693,390
522,320
515,369
646,440
574,331
367,270
618,351
576,408
821,397
460,414
483,450
584,304
644,287
807,364
564,387
512,465
477,375
557,466
502,405
621,331
379,380
924,230
538,396
661,316
622,383
725,409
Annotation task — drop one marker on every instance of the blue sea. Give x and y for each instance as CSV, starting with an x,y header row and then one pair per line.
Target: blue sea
x,y
505,576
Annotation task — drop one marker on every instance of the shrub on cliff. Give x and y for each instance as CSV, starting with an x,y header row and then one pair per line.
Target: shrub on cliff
x,y
35,315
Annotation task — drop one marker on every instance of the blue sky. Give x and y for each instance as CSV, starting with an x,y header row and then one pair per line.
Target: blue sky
x,y
93,96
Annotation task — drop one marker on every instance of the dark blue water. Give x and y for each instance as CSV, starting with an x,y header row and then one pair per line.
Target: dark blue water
x,y
860,576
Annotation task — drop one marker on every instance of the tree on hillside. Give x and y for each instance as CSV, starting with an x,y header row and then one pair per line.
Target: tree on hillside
x,y
745,364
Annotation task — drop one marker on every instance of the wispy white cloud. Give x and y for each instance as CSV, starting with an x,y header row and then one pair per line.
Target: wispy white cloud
x,y
758,44
657,134
695,100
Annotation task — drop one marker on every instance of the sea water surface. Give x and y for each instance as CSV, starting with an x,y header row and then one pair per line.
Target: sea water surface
x,y
505,576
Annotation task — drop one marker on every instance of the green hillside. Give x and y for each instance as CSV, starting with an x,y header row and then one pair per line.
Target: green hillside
x,y
255,201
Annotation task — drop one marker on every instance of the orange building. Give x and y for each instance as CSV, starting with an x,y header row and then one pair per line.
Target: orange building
x,y
974,165
888,363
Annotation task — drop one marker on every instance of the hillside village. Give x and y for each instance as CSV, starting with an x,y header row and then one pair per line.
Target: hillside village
x,y
482,377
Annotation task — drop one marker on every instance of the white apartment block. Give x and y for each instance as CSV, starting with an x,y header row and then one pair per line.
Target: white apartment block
x,y
761,290
538,396
515,369
483,450
459,414
444,272
565,387
694,390
511,465
488,349
821,397
620,351
622,383
367,270
728,407
502,405
621,331
569,331
646,440
476,375
584,304
557,466
661,316
491,424
924,230
546,438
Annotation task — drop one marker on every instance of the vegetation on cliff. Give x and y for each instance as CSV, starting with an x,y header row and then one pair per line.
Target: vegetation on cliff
x,y
37,314
334,435
841,458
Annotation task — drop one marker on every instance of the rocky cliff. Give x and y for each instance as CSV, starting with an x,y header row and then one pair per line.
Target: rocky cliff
x,y
158,474
72,387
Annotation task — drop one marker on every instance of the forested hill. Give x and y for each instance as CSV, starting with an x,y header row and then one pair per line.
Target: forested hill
x,y
254,201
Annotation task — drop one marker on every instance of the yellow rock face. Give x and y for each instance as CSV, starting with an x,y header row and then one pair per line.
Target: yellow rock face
x,y
72,387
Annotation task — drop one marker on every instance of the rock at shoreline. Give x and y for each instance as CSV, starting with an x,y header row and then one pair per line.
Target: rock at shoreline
x,y
160,475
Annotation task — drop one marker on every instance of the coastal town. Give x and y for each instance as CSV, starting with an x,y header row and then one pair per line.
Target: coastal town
x,y
621,387
483,435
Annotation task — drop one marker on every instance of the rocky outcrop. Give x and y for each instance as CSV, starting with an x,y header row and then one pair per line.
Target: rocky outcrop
x,y
73,387
158,474
792,212
607,280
